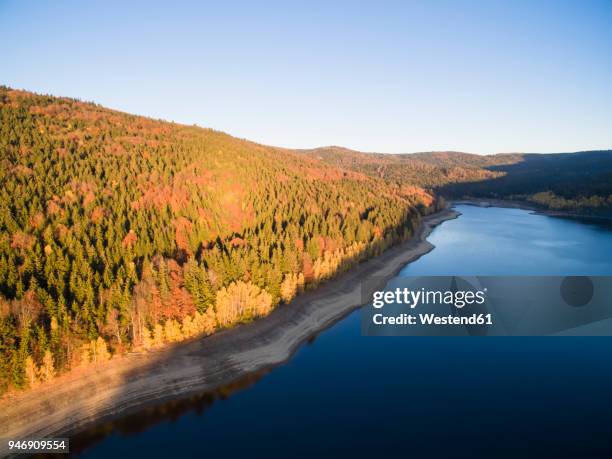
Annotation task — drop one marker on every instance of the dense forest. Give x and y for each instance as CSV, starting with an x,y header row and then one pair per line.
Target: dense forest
x,y
429,170
579,181
121,232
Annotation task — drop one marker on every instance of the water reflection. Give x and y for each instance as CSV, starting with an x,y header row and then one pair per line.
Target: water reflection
x,y
144,418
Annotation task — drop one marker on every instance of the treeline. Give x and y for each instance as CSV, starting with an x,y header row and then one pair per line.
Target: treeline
x,y
550,200
120,232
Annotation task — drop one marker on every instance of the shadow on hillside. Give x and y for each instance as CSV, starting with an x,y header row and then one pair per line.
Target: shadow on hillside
x,y
565,174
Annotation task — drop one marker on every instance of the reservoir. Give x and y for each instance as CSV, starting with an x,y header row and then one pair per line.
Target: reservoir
x,y
344,394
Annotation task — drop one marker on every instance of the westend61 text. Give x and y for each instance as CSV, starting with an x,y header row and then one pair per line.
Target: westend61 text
x,y
432,319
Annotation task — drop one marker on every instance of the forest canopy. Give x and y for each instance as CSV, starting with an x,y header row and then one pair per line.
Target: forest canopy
x,y
122,232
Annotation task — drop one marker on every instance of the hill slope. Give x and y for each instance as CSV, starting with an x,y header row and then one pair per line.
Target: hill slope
x,y
119,231
581,180
430,170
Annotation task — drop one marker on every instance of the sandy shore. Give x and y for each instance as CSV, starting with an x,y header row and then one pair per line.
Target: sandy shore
x,y
77,400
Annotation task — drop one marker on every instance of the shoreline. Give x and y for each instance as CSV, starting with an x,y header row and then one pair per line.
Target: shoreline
x,y
525,205
78,400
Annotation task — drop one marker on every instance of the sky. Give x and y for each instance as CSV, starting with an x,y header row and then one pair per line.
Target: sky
x,y
481,77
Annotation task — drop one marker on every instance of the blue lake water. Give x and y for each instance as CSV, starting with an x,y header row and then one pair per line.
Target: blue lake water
x,y
348,395
494,241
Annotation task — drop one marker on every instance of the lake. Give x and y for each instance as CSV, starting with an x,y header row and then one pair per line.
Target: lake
x,y
344,394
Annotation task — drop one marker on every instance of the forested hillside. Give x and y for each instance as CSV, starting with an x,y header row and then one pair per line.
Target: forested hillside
x,y
571,181
119,231
429,170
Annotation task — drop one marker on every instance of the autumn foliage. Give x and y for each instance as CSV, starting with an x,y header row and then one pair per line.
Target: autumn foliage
x,y
121,232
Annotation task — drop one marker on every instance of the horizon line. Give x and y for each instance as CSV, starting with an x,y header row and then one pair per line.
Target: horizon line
x,y
320,147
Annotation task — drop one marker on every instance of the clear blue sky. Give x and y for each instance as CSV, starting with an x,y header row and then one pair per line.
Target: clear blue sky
x,y
483,77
